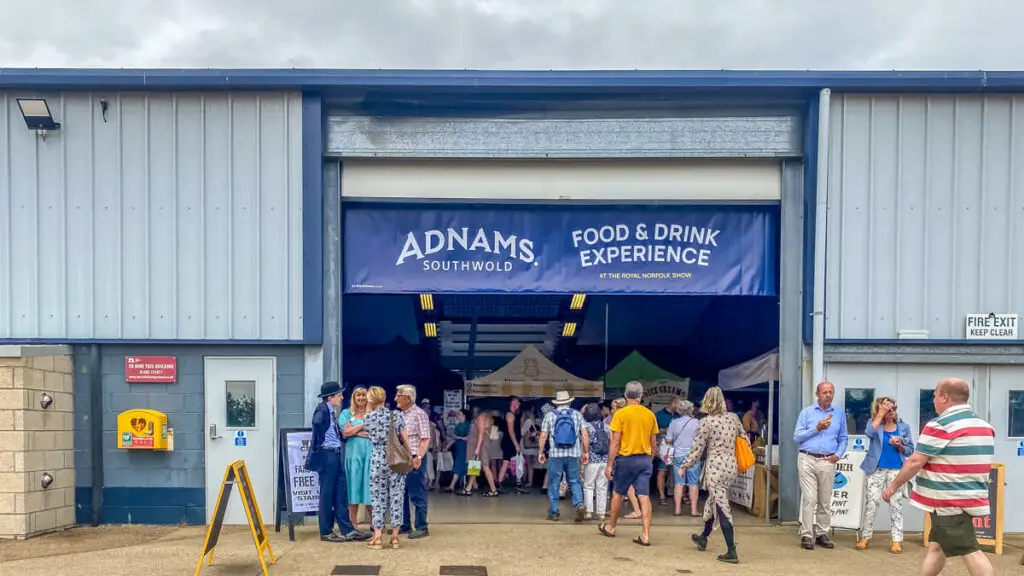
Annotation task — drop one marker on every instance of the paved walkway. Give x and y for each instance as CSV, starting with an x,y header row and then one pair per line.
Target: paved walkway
x,y
504,550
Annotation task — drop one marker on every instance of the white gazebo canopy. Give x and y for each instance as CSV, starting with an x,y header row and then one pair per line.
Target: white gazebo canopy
x,y
764,368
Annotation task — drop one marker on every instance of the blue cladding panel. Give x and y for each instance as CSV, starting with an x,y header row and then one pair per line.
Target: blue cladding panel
x,y
166,506
810,198
312,219
154,79
164,488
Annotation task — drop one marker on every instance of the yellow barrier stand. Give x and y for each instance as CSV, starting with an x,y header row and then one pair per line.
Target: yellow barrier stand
x,y
989,529
237,474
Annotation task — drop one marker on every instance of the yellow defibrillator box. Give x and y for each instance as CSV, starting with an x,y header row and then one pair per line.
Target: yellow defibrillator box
x,y
142,429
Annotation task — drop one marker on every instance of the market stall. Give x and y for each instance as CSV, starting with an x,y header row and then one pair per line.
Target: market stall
x,y
660,385
532,375
758,488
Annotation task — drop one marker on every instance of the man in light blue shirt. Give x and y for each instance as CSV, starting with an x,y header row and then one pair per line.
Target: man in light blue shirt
x,y
821,434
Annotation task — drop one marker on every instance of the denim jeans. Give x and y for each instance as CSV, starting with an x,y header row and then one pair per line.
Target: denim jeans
x,y
571,468
416,492
333,494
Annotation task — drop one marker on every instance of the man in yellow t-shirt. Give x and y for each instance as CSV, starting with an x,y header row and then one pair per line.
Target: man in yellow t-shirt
x,y
630,459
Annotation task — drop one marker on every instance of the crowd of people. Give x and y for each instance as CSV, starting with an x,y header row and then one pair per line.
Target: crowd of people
x,y
610,454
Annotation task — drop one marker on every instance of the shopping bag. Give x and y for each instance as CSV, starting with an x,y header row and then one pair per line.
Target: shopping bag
x,y
665,451
446,462
473,468
519,466
399,456
744,455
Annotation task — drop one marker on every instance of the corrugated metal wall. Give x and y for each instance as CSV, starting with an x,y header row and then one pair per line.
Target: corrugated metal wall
x,y
170,216
925,213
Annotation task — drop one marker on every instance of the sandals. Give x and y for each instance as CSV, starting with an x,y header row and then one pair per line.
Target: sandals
x,y
492,494
375,545
394,544
640,541
632,516
603,529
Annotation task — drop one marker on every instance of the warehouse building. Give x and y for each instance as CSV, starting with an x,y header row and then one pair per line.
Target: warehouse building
x,y
207,243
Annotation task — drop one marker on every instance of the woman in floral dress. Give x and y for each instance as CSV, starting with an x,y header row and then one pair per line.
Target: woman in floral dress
x,y
387,489
717,433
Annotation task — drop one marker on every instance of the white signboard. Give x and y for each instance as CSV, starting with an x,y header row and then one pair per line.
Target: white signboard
x,y
741,491
303,484
848,491
991,326
658,394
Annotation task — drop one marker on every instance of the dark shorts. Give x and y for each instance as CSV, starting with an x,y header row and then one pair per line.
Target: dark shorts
x,y
508,450
633,471
955,534
659,464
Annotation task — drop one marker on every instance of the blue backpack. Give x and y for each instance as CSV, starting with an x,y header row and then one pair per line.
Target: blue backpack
x,y
564,430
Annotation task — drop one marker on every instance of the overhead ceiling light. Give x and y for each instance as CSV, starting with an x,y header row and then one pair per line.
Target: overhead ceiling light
x,y
427,302
569,330
36,113
577,301
430,329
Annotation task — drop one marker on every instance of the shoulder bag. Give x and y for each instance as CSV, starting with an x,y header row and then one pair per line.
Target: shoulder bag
x,y
398,454
744,455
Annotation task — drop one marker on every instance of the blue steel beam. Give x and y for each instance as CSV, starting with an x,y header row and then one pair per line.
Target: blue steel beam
x,y
320,79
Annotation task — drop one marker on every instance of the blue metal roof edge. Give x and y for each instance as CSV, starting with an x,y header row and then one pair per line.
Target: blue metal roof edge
x,y
150,79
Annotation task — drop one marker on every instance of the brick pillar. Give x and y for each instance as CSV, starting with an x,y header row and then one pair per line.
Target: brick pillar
x,y
36,441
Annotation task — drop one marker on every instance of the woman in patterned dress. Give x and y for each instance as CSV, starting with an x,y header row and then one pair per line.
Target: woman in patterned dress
x,y
717,433
387,489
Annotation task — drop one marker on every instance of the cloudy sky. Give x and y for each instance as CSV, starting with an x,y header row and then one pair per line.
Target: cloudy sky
x,y
536,34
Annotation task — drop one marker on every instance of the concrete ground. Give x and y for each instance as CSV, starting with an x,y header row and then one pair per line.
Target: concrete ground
x,y
507,535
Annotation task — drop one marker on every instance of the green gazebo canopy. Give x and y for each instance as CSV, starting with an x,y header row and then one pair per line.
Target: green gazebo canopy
x,y
636,367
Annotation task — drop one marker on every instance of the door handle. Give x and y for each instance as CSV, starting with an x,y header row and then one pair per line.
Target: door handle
x,y
213,432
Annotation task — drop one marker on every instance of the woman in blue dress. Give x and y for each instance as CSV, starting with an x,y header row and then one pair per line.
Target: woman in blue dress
x,y
357,455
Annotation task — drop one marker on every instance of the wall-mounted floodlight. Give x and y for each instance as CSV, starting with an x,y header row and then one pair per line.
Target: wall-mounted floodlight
x,y
37,115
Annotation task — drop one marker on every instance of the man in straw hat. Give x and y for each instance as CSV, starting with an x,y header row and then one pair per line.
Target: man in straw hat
x,y
564,443
327,458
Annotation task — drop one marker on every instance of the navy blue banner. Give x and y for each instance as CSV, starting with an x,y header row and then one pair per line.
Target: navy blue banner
x,y
607,250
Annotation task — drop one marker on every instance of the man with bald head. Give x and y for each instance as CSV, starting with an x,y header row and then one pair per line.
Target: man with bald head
x,y
821,434
952,464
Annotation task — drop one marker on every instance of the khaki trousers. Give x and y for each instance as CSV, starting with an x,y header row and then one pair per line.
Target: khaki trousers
x,y
817,478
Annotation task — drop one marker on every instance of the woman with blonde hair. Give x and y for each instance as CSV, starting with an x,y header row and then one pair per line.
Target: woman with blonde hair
x,y
479,450
891,443
717,432
387,489
357,454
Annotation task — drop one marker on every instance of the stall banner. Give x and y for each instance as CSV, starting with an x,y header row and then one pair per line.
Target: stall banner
x,y
609,250
658,394
741,491
303,485
848,491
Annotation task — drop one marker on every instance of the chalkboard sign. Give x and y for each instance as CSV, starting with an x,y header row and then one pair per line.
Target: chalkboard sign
x,y
298,489
236,474
989,528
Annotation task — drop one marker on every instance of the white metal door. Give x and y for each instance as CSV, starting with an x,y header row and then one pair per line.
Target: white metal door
x,y
1006,409
241,425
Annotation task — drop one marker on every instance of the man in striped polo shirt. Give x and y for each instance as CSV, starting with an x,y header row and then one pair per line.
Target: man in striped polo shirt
x,y
952,464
